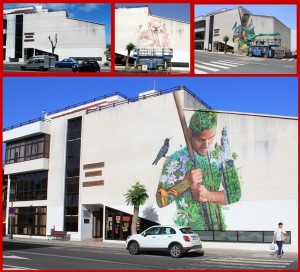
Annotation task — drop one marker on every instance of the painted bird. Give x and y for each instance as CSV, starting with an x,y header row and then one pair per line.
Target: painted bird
x,y
163,151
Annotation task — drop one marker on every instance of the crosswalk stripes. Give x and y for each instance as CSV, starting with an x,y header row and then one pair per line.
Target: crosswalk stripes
x,y
239,263
215,66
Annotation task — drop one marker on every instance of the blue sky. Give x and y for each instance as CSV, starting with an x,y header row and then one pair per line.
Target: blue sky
x,y
284,13
264,95
179,12
97,13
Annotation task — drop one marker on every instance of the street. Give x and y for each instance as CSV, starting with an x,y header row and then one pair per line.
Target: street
x,y
61,256
15,67
213,63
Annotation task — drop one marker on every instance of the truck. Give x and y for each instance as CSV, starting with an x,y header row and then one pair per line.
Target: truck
x,y
41,63
152,58
268,48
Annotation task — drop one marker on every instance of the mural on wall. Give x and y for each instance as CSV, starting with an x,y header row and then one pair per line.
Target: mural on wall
x,y
200,177
242,32
155,35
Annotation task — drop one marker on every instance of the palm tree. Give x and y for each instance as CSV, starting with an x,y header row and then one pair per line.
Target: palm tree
x,y
136,196
225,39
129,48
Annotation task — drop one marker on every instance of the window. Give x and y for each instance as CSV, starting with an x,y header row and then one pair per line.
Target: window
x,y
28,149
30,221
31,186
200,24
72,174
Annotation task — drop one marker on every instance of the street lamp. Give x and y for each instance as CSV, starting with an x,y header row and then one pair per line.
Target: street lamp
x,y
11,211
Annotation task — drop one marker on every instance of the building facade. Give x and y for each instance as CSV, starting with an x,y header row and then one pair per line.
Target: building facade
x,y
28,31
241,27
146,31
71,169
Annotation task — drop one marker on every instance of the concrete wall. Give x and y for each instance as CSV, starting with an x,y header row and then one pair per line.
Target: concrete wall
x,y
75,38
225,21
134,25
127,138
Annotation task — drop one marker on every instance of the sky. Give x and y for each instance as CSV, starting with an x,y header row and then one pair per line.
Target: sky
x,y
179,12
261,95
284,13
97,13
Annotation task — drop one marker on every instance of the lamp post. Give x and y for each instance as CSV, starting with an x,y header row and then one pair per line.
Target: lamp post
x,y
11,212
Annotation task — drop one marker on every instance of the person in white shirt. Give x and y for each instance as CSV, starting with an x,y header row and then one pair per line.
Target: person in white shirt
x,y
277,237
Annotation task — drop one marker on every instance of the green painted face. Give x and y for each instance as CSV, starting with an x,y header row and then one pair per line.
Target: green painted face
x,y
203,120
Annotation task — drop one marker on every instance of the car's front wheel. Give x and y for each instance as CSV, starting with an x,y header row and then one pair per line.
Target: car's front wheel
x,y
134,248
176,251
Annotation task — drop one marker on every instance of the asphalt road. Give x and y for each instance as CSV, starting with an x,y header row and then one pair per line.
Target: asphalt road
x,y
28,256
13,67
212,63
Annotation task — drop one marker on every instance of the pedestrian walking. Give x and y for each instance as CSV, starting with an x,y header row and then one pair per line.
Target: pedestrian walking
x,y
279,237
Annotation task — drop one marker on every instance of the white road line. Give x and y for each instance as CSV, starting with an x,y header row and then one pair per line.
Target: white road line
x,y
215,65
226,63
12,267
14,257
92,260
200,72
233,62
207,68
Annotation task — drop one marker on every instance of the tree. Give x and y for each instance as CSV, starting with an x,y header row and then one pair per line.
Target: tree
x,y
53,44
129,48
225,39
136,196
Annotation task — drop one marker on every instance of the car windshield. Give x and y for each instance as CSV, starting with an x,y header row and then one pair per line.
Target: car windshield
x,y
186,230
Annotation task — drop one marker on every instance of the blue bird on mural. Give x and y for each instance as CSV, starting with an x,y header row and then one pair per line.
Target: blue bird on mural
x,y
163,151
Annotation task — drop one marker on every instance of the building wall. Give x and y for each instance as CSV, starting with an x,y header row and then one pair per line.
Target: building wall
x,y
227,22
126,139
75,38
134,25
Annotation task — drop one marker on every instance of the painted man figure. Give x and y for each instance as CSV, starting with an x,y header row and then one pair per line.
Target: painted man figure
x,y
200,191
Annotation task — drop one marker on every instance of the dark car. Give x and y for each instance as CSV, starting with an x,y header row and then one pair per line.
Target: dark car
x,y
294,54
87,66
66,63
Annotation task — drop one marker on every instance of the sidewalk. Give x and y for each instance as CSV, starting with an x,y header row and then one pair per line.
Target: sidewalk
x,y
252,248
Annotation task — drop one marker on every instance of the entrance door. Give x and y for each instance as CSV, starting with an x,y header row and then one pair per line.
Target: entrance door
x,y
97,224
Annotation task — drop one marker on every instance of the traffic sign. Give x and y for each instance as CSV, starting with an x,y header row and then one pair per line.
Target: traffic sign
x,y
11,210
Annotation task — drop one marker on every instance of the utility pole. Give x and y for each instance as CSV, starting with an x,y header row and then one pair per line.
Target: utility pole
x,y
11,211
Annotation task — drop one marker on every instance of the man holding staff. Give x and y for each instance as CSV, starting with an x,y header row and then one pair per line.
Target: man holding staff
x,y
198,182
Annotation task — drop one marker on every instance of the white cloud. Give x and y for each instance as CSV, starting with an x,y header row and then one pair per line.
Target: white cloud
x,y
88,7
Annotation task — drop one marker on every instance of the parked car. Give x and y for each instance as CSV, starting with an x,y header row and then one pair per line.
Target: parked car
x,y
66,63
177,240
294,54
87,66
42,63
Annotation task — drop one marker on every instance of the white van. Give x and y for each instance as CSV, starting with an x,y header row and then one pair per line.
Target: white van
x,y
41,63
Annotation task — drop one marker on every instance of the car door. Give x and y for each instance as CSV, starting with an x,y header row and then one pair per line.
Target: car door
x,y
166,237
151,238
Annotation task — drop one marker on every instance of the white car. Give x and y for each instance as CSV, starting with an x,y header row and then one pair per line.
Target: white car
x,y
177,240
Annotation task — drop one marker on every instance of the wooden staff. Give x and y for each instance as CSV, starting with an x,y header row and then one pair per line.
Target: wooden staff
x,y
204,205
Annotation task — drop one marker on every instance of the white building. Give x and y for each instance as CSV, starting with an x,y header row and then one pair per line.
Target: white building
x,y
146,31
27,31
72,169
210,29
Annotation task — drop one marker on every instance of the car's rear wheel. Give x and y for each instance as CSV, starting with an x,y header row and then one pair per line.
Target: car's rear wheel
x,y
134,248
176,251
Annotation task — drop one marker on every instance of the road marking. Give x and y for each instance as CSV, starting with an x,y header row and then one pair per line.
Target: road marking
x,y
233,62
215,65
200,72
226,63
93,260
14,257
11,267
207,68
